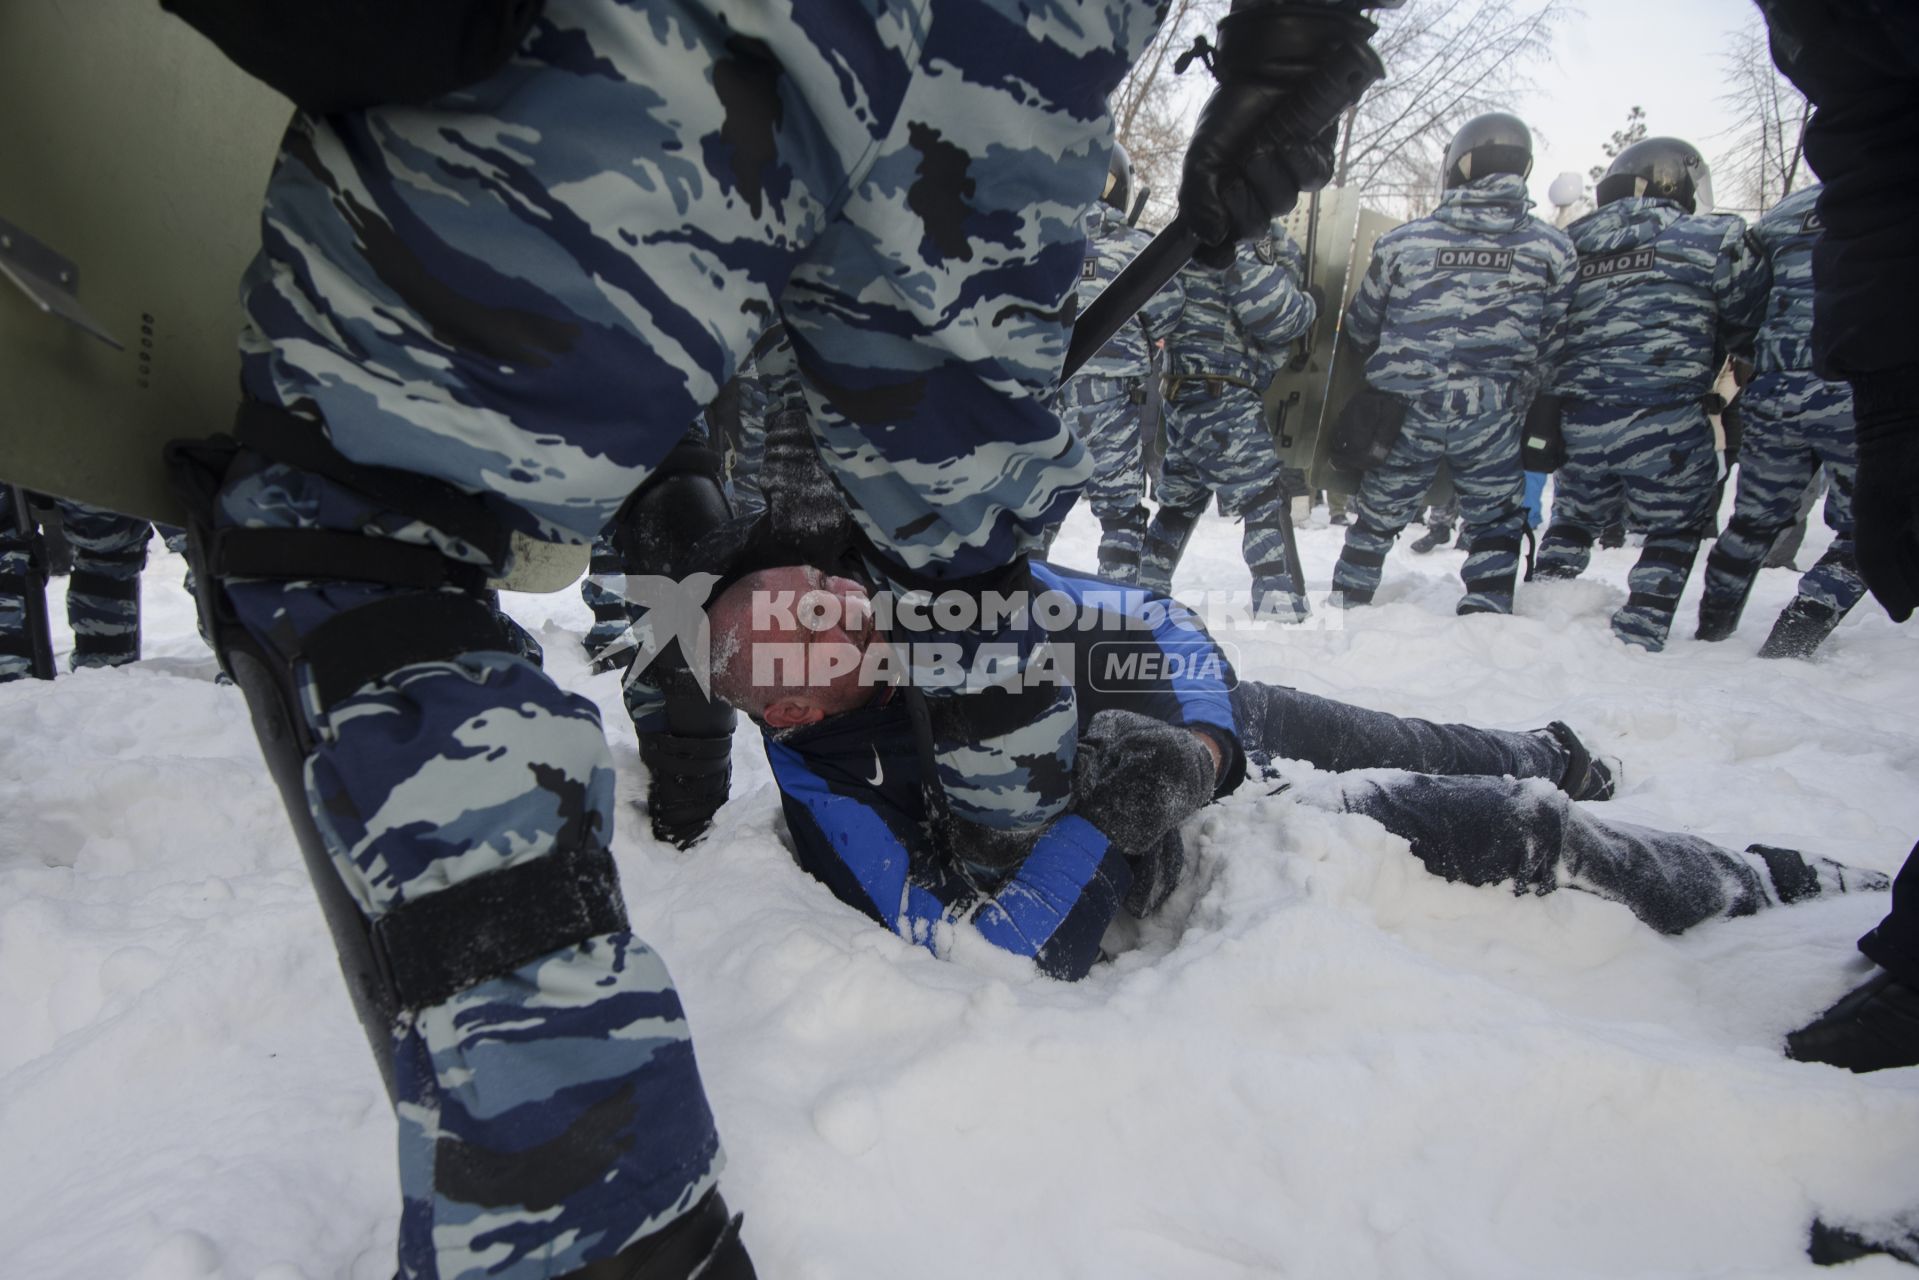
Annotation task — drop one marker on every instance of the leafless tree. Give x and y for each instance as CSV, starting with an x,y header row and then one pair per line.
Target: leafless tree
x,y
1635,131
1153,108
1446,61
1763,159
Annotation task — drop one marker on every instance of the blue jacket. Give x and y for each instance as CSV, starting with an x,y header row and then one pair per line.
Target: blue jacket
x,y
851,789
1472,297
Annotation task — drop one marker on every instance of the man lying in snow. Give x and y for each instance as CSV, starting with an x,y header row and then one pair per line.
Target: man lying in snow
x,y
1164,728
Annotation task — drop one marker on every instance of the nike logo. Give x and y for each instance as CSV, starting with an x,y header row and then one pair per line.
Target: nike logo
x,y
879,771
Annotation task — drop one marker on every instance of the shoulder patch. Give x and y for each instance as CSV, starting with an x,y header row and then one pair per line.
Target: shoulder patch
x,y
1629,262
1813,222
1089,267
1469,259
1266,250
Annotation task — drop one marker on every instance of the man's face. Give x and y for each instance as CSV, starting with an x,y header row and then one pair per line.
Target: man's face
x,y
800,640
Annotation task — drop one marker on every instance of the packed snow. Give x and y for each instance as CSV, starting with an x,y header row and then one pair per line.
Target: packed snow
x,y
1318,1061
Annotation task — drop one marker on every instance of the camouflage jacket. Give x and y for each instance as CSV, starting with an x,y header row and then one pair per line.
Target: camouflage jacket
x,y
1110,246
1663,295
1239,322
1473,297
1786,236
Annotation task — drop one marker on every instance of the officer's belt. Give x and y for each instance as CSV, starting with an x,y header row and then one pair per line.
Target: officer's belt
x,y
1186,388
1100,387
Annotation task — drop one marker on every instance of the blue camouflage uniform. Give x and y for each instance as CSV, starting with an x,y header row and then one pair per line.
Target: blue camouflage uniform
x,y
1471,802
1458,310
1105,402
1663,296
772,385
1795,422
1231,335
525,291
103,587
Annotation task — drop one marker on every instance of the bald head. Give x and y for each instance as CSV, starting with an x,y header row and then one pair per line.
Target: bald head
x,y
789,645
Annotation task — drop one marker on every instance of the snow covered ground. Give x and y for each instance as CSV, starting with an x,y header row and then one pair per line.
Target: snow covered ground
x,y
1319,1062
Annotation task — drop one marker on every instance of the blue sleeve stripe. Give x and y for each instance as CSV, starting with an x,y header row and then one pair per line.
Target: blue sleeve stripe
x,y
1061,872
1202,699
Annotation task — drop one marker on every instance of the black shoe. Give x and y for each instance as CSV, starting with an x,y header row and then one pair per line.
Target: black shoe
x,y
703,1244
1344,598
1613,535
1803,626
1830,1246
1717,621
1874,1027
1587,777
1553,573
1434,538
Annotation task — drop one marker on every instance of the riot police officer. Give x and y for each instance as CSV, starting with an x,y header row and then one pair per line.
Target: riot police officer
x,y
1666,289
1455,314
1105,402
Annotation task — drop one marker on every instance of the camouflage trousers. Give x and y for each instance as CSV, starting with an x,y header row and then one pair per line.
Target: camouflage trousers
x,y
1480,446
1531,837
103,589
772,386
1217,445
536,321
1107,415
526,291
606,642
1795,423
548,1115
1663,463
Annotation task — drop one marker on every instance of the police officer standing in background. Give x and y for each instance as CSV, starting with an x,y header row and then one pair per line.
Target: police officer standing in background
x,y
103,589
1235,330
1666,289
1456,312
1105,402
1795,421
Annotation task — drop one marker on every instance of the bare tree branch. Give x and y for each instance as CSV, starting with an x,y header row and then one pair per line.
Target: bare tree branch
x,y
1762,158
1446,61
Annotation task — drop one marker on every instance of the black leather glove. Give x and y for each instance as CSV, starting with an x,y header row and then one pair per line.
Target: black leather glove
x,y
1287,73
1885,500
690,780
1137,778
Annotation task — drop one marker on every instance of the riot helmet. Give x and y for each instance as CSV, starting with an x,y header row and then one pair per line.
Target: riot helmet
x,y
1119,181
1659,169
1497,142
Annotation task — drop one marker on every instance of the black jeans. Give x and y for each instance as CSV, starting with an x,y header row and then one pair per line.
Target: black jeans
x,y
1894,943
1277,721
1463,801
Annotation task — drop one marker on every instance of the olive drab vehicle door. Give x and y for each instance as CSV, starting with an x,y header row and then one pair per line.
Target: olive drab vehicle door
x,y
130,195
1310,391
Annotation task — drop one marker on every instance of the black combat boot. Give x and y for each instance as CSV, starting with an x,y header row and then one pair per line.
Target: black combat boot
x,y
1874,1027
1435,537
701,1245
1803,626
1718,619
1587,777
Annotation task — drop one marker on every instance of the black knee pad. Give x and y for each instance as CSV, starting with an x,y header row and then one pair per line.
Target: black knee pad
x,y
427,949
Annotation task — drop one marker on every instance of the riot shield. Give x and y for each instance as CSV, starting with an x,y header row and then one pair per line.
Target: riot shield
x,y
130,193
